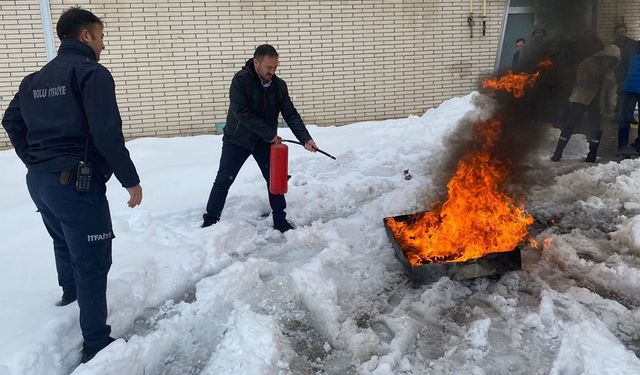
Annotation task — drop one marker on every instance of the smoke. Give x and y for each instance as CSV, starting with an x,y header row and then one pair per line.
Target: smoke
x,y
524,130
566,36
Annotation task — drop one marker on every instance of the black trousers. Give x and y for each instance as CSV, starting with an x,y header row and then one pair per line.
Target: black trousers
x,y
80,226
576,114
628,105
231,160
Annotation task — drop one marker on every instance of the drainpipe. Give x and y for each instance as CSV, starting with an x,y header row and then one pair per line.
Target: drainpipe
x,y
47,26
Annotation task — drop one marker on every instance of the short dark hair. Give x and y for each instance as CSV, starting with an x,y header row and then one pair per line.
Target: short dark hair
x,y
73,21
621,26
264,50
521,40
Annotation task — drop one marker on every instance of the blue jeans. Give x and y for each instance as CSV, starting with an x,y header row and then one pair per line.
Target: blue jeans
x,y
80,226
627,109
231,160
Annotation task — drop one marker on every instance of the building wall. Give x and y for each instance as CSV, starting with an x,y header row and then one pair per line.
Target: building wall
x,y
22,48
344,61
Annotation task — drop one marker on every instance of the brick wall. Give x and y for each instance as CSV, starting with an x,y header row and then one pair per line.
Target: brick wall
x,y
344,61
22,48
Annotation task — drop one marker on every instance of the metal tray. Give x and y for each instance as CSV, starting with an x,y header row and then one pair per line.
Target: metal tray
x,y
489,265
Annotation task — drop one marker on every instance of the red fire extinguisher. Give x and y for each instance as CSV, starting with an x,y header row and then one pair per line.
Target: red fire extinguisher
x,y
279,168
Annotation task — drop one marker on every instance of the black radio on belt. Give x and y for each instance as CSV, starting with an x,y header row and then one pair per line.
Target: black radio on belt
x,y
83,173
83,176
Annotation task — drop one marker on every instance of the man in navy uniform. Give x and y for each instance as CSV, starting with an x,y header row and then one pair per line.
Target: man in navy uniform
x,y
65,126
257,97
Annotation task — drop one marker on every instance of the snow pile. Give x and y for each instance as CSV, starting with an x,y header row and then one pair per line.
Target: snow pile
x,y
329,297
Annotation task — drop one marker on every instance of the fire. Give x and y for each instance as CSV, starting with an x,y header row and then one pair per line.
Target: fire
x,y
477,219
517,83
478,216
546,243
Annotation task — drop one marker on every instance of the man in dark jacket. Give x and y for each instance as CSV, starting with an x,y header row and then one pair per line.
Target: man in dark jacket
x,y
257,97
520,43
630,99
65,126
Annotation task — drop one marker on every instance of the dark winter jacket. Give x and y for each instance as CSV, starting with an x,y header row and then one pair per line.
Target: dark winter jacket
x,y
254,110
632,84
514,61
55,111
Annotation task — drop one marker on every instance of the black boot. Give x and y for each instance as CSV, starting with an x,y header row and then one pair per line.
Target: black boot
x,y
283,226
208,220
89,352
557,154
68,296
593,152
280,222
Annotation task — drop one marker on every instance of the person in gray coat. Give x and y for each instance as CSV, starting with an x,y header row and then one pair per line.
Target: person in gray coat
x,y
594,94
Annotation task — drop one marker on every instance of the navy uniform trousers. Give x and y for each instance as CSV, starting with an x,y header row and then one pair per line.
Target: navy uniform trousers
x,y
80,225
231,160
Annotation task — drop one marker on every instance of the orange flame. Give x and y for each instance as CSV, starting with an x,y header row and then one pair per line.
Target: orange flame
x,y
478,217
546,243
517,83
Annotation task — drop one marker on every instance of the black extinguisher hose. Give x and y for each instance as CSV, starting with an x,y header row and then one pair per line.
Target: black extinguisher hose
x,y
317,149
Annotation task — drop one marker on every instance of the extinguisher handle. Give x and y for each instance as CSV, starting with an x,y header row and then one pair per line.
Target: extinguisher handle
x,y
317,149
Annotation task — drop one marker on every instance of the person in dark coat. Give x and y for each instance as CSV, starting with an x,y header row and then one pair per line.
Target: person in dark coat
x,y
65,126
519,44
533,51
630,100
594,94
257,97
627,50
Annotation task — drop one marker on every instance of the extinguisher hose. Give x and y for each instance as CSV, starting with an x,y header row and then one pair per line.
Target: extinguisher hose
x,y
317,149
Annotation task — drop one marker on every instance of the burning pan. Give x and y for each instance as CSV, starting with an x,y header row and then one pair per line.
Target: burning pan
x,y
491,264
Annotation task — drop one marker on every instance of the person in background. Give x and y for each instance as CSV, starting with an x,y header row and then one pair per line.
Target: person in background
x,y
257,97
627,50
629,102
65,126
594,94
519,44
532,52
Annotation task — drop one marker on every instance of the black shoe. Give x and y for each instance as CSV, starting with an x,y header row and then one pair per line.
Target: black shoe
x,y
89,352
67,298
593,151
556,157
283,225
208,221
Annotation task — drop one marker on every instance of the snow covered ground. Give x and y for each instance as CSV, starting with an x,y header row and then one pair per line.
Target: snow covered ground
x,y
329,297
